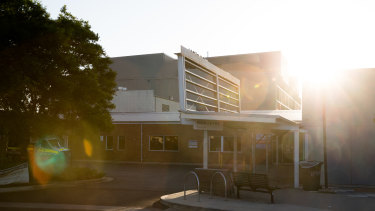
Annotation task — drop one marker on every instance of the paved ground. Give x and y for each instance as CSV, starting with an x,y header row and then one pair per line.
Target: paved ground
x,y
133,186
285,199
137,187
220,203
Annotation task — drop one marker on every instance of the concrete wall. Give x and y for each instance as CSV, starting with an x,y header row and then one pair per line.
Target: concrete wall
x,y
142,101
312,120
350,108
134,101
156,72
173,106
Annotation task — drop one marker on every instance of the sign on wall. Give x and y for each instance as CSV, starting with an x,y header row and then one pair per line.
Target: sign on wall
x,y
208,125
193,144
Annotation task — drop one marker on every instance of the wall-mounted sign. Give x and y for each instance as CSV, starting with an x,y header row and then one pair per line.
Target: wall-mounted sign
x,y
208,125
193,144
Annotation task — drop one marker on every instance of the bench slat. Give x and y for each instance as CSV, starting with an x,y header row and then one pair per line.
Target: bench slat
x,y
252,182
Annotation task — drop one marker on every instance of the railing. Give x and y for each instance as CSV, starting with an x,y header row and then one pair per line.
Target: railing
x,y
196,177
225,183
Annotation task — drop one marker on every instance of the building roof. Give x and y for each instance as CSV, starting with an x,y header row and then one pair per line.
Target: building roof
x,y
119,117
195,115
292,115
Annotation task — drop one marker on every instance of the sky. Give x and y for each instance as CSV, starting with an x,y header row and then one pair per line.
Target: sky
x,y
316,37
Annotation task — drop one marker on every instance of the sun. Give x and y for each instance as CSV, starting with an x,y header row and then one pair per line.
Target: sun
x,y
310,71
320,41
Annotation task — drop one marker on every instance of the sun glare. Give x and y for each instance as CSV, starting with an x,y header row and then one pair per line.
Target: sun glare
x,y
319,73
318,44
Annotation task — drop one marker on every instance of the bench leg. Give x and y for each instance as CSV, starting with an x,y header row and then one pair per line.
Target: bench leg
x,y
272,198
238,193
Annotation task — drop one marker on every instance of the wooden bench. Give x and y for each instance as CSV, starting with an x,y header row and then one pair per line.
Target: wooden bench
x,y
252,182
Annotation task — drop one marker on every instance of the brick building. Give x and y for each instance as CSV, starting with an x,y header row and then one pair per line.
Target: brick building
x,y
190,111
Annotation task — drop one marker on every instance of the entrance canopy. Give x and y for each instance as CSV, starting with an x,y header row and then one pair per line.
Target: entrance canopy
x,y
240,121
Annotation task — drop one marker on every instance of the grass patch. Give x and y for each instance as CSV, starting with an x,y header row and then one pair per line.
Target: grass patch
x,y
78,173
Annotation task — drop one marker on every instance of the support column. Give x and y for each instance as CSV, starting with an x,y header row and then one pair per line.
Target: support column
x,y
253,144
267,156
221,152
181,82
205,149
277,150
235,154
306,146
141,143
296,159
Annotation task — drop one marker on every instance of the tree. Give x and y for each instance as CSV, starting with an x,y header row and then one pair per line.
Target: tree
x,y
54,76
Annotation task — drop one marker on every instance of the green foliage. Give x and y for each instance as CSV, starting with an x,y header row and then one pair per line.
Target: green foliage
x,y
53,73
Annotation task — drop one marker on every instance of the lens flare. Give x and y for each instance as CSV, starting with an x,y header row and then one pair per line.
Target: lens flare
x,y
38,174
88,147
255,91
47,159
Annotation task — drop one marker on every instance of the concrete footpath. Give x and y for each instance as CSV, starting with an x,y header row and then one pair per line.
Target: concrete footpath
x,y
285,199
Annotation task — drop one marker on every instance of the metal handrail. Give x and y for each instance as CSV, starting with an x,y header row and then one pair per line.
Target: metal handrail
x,y
225,183
196,177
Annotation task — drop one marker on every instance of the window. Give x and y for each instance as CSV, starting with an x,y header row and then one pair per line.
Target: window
x,y
109,143
164,108
223,144
163,143
121,143
228,144
215,143
171,143
156,143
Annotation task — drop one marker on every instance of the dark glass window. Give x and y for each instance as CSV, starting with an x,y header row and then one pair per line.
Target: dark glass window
x,y
164,143
156,143
121,143
215,143
109,143
171,143
228,144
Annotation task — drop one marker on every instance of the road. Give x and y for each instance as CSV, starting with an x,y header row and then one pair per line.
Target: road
x,y
133,186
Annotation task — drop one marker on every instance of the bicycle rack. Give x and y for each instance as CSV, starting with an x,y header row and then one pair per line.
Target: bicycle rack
x,y
196,177
225,183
